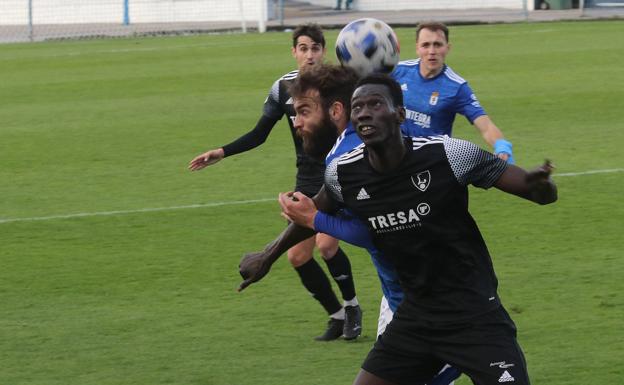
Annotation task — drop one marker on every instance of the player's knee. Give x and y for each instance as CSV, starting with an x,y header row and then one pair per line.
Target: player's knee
x,y
299,257
327,246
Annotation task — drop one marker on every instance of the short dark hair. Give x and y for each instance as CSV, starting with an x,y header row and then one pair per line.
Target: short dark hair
x,y
333,82
433,26
311,30
384,80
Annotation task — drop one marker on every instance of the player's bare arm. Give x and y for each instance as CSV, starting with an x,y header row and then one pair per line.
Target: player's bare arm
x,y
254,266
206,159
490,133
534,185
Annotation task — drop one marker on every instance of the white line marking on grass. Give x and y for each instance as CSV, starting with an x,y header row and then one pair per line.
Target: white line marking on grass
x,y
590,172
143,49
218,204
146,210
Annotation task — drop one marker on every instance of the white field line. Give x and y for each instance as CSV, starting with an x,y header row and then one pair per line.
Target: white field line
x,y
219,204
146,210
590,172
45,55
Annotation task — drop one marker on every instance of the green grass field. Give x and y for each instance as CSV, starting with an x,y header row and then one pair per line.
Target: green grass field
x,y
148,296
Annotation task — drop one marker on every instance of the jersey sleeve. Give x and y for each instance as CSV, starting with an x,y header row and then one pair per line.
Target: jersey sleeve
x,y
272,107
331,181
467,103
345,227
471,164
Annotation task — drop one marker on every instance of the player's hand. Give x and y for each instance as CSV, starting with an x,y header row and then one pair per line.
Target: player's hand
x,y
298,208
503,149
540,174
206,159
253,267
503,155
540,184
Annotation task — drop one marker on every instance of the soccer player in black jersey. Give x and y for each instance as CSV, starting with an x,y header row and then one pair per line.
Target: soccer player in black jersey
x,y
308,49
413,195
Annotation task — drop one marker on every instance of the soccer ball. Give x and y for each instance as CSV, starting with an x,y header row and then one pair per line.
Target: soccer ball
x,y
368,45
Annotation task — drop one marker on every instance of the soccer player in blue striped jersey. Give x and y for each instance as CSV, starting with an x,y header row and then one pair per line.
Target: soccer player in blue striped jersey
x,y
345,318
433,93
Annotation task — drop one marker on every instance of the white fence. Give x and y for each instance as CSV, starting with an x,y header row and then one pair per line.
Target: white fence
x,y
16,12
36,20
398,5
33,20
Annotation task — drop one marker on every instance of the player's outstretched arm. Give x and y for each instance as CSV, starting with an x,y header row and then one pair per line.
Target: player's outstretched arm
x,y
254,266
206,159
248,141
534,185
494,137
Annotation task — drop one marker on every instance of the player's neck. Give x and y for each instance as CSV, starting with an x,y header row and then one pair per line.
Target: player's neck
x,y
429,74
388,155
341,126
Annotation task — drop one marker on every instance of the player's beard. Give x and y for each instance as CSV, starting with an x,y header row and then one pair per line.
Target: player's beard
x,y
318,141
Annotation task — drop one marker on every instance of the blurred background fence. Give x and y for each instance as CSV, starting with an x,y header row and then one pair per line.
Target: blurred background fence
x,y
37,20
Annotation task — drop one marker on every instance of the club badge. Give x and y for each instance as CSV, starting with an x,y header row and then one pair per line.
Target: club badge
x,y
422,180
433,100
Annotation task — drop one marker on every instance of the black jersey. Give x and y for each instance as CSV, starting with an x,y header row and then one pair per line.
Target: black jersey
x,y
279,103
418,217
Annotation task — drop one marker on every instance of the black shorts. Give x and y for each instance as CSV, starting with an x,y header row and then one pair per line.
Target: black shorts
x,y
310,177
485,349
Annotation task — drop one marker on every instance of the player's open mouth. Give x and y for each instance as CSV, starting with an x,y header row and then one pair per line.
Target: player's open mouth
x,y
366,130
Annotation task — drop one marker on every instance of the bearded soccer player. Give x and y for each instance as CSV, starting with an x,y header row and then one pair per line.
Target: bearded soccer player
x,y
433,93
344,319
451,311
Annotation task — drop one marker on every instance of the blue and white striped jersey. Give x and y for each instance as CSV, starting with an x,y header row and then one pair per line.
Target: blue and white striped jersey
x,y
431,104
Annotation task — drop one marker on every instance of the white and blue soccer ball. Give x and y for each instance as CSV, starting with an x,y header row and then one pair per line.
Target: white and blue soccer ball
x,y
368,45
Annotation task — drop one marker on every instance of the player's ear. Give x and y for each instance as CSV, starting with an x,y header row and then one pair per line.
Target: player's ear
x,y
293,51
336,111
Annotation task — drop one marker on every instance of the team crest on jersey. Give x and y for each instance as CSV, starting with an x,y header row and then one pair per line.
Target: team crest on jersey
x,y
422,180
433,100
